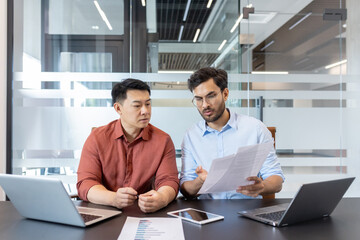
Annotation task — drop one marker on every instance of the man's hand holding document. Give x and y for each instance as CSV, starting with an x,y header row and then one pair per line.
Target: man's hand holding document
x,y
231,172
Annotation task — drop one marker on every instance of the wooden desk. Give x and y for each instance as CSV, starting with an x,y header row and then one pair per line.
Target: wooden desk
x,y
343,224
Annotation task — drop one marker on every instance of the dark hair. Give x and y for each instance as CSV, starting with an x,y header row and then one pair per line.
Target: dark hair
x,y
119,90
204,74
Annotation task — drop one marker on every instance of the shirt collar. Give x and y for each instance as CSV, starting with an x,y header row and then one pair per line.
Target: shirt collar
x,y
230,124
232,120
144,134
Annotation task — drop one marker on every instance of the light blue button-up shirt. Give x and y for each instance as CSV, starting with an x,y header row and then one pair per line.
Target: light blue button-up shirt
x,y
202,144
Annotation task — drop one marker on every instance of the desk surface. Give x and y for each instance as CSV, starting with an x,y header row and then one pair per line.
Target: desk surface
x,y
344,223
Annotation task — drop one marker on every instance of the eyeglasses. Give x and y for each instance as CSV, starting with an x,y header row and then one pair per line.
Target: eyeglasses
x,y
210,99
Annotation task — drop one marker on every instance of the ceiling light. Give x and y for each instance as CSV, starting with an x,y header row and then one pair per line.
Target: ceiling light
x,y
181,32
249,6
336,64
236,23
263,72
209,3
344,25
95,27
102,14
302,19
196,35
143,3
222,45
267,45
186,10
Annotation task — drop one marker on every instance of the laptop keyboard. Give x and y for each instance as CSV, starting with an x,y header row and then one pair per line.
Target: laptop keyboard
x,y
89,217
274,216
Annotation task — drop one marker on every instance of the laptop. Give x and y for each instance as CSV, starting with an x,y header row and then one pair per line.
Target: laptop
x,y
47,200
313,200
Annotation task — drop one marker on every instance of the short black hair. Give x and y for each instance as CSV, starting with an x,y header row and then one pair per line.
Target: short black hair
x,y
119,90
204,74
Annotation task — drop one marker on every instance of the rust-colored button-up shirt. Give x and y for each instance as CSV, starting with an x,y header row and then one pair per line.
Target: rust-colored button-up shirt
x,y
108,159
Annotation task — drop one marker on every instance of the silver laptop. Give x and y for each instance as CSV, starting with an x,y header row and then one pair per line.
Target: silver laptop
x,y
313,200
46,199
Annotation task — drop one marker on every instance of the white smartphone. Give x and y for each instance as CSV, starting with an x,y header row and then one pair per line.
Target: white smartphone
x,y
195,216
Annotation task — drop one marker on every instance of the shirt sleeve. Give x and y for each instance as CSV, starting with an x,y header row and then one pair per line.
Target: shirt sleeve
x,y
271,165
89,172
167,173
188,163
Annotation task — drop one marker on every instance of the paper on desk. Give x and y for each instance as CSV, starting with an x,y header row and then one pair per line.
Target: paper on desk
x,y
230,172
152,229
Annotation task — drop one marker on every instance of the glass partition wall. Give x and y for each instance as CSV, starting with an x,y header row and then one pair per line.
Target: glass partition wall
x,y
290,64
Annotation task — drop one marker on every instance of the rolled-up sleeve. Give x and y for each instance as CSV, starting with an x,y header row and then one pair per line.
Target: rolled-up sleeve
x,y
167,173
89,171
271,165
188,163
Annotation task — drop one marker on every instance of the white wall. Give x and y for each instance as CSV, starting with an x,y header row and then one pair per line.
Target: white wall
x,y
3,36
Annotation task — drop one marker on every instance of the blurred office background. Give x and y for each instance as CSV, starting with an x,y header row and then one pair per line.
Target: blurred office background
x,y
292,64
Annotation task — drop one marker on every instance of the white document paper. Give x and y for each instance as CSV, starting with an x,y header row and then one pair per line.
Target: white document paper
x,y
152,229
230,172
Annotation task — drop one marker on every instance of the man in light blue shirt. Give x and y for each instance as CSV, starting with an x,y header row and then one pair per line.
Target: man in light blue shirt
x,y
220,134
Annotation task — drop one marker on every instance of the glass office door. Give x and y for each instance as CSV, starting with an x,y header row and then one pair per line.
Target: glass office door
x,y
291,65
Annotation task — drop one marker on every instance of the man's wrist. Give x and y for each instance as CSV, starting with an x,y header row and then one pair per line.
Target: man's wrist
x,y
263,190
112,199
164,199
200,180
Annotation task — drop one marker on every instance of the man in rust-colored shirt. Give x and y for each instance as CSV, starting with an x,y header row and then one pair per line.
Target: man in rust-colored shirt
x,y
129,158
